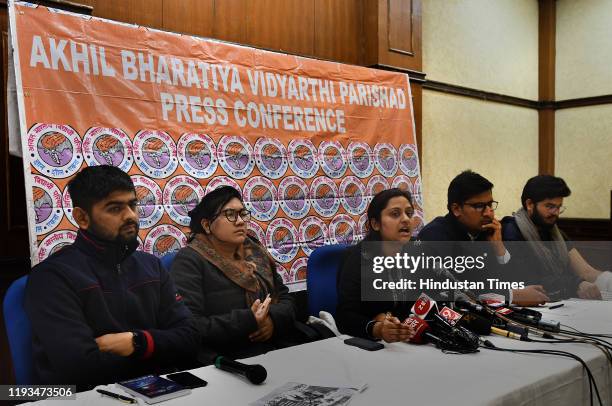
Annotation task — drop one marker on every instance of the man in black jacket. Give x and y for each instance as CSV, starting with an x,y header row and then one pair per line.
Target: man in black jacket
x,y
471,217
548,259
100,310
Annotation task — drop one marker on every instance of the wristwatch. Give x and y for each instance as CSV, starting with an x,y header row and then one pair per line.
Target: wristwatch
x,y
137,341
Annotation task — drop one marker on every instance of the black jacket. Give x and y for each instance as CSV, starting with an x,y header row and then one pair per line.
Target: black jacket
x,y
528,267
92,288
353,314
221,314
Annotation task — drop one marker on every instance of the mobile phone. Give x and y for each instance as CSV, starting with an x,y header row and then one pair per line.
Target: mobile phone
x,y
187,379
364,343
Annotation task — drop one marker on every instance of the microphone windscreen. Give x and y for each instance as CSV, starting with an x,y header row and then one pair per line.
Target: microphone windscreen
x,y
256,374
419,326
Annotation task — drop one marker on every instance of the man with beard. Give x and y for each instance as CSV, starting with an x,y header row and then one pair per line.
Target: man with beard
x,y
548,259
471,218
101,311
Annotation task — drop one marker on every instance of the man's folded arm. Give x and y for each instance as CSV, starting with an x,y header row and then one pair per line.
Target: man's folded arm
x,y
58,323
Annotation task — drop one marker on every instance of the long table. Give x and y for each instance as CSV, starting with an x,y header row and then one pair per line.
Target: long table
x,y
403,374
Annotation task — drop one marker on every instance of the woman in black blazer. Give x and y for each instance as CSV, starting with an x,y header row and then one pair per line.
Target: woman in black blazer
x,y
389,219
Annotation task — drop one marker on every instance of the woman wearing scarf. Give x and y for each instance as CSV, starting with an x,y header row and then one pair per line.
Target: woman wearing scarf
x,y
229,282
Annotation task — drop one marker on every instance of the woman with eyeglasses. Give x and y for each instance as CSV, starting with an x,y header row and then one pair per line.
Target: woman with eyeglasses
x,y
229,282
389,226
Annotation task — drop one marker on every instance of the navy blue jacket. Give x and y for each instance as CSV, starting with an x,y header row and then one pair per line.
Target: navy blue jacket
x,y
92,288
449,229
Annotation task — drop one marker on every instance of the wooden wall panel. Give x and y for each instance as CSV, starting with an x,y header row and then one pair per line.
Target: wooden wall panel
x,y
546,85
392,34
392,28
230,20
339,30
370,32
284,25
400,23
142,12
188,16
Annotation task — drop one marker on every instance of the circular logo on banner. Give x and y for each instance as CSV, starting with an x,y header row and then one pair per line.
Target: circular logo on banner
x,y
299,270
313,234
293,196
333,158
284,273
181,194
271,157
155,153
163,240
107,146
236,156
362,225
150,201
403,182
409,160
55,150
303,158
256,231
260,198
219,181
386,159
342,229
418,222
418,196
281,237
376,184
360,159
55,242
324,196
67,206
197,154
140,244
353,194
47,204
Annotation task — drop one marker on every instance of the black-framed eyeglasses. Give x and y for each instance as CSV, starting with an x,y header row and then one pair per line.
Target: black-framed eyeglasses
x,y
481,206
551,208
232,214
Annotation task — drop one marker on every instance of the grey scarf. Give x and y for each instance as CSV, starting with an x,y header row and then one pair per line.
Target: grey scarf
x,y
555,260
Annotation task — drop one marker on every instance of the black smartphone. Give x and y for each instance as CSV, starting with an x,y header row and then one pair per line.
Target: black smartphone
x,y
187,379
364,343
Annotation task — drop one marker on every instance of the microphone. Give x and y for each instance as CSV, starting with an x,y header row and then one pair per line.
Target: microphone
x,y
423,334
446,337
254,373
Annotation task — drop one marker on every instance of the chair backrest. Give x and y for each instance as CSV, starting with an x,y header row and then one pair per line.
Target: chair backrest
x,y
167,260
19,331
322,269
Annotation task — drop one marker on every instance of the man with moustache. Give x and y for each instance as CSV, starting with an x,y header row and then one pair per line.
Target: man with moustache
x,y
548,259
471,217
101,311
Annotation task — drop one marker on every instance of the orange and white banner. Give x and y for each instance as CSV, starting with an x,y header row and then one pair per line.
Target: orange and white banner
x,y
308,142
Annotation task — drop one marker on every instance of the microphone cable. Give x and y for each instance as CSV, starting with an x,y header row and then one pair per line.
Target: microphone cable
x,y
594,340
592,384
576,331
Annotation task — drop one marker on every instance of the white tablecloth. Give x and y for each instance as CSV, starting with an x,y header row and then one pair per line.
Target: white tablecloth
x,y
406,374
